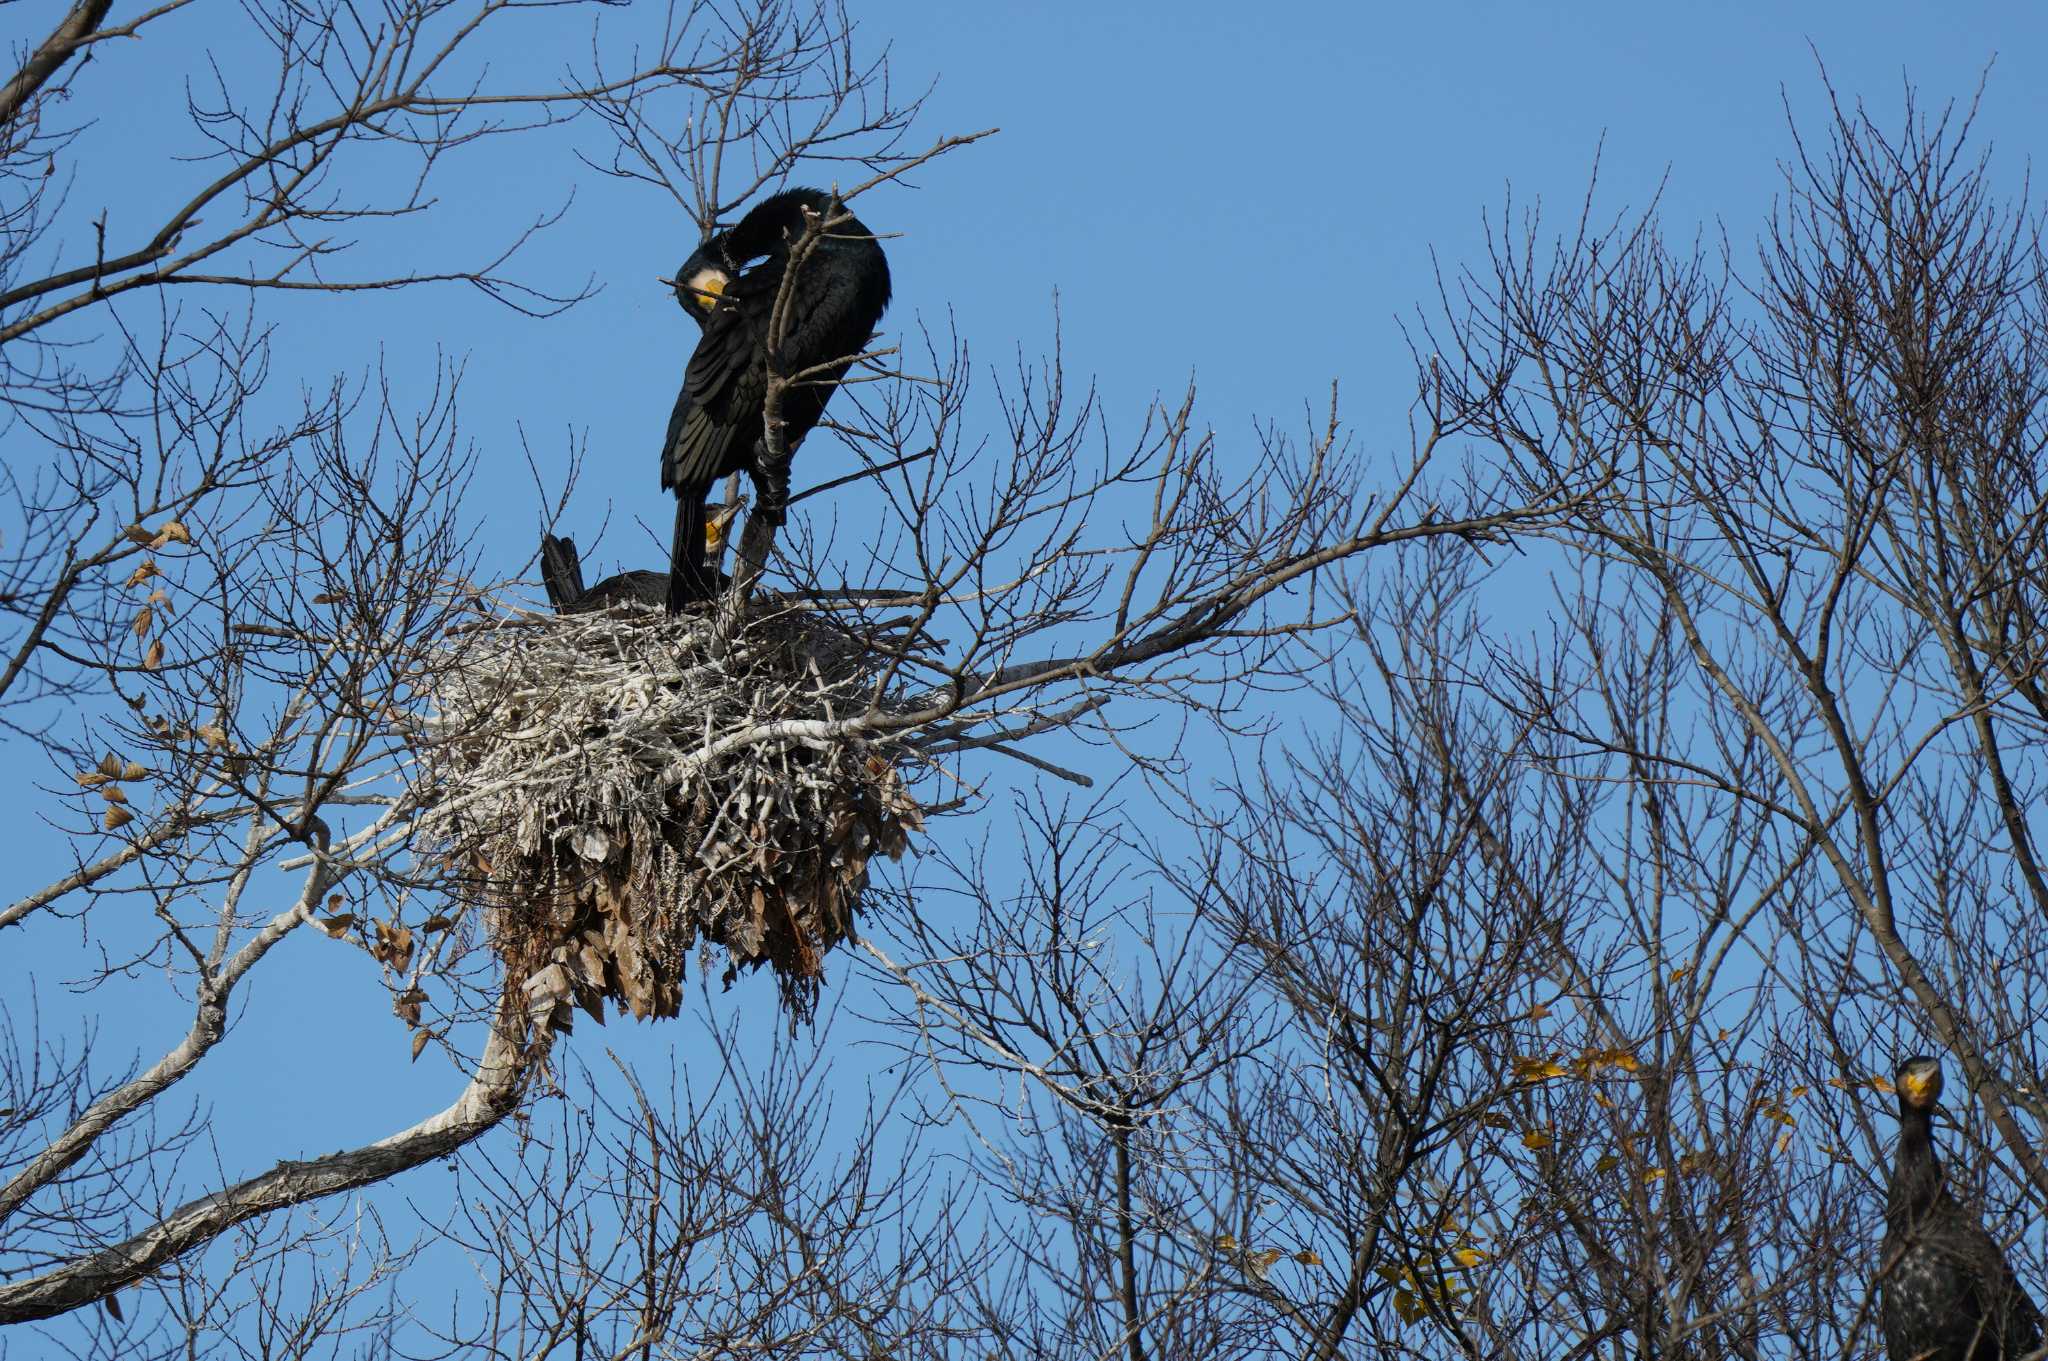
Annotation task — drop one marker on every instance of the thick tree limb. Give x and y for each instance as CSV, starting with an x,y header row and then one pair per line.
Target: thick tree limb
x,y
73,33
491,1095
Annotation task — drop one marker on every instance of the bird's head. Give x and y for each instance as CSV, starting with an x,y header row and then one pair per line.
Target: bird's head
x,y
1919,1082
703,279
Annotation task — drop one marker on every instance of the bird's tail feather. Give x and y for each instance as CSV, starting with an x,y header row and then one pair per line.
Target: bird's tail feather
x,y
561,571
686,580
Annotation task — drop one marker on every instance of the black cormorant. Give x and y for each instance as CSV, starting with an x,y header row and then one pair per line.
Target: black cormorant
x,y
1946,1291
839,293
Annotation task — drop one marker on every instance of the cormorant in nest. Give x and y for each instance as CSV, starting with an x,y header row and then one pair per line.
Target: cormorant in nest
x,y
1947,1292
561,573
839,292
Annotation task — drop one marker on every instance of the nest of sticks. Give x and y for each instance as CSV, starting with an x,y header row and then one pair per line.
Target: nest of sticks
x,y
617,792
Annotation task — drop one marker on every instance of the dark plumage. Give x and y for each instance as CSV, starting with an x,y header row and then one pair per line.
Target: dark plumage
x,y
839,293
561,573
1946,1291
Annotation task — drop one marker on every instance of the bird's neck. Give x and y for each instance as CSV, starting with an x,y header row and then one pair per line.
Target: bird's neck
x,y
1916,1178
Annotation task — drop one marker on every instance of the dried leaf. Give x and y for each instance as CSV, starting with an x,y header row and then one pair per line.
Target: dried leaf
x,y
1536,1138
92,778
1308,1257
113,1304
137,534
437,923
172,532
1607,1163
212,735
117,818
419,1042
134,770
153,658
144,617
111,766
1537,1070
142,573
1261,1262
113,793
1225,1243
406,1006
337,925
1495,1120
1538,1012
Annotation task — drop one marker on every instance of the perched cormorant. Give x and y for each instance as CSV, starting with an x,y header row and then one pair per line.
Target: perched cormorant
x,y
838,296
1946,1291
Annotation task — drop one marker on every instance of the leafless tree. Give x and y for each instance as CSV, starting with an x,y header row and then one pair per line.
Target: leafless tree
x,y
1542,1006
225,611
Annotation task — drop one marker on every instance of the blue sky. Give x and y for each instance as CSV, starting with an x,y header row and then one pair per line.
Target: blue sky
x,y
1244,194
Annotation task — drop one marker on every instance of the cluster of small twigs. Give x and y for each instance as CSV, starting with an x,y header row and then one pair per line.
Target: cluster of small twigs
x,y
617,787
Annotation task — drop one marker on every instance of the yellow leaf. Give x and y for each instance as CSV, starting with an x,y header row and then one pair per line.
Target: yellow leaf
x,y
1654,1174
1607,1163
1407,1306
1678,975
1495,1120
1308,1257
1784,1140
1537,1070
1603,1100
1696,1161
1468,1257
1770,1112
142,573
1883,1084
1226,1243
1262,1261
1536,1138
153,658
117,818
1796,1093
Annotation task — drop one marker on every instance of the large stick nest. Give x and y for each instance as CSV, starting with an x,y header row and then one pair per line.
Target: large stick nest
x,y
615,789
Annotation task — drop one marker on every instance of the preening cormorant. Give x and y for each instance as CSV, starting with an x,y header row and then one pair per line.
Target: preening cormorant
x,y
838,295
1946,1292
